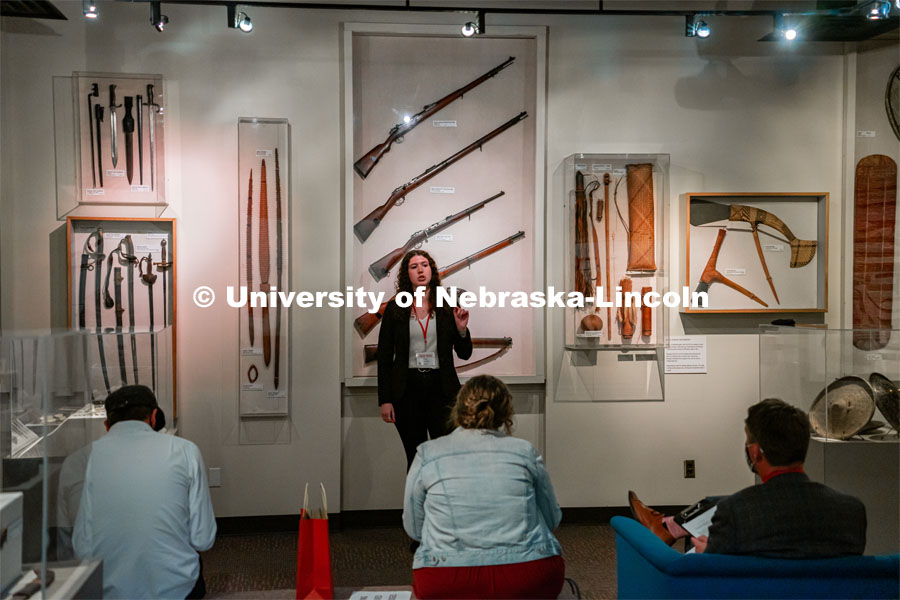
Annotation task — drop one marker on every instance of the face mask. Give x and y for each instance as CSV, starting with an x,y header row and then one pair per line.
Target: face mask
x,y
749,460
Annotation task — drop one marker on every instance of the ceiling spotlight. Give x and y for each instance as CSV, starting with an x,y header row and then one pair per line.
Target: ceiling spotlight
x,y
788,32
469,29
157,19
90,9
695,28
239,20
878,10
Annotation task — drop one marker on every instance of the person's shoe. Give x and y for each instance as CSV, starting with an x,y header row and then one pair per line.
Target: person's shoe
x,y
649,518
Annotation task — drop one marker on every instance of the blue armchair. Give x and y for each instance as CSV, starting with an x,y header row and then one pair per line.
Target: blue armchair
x,y
648,568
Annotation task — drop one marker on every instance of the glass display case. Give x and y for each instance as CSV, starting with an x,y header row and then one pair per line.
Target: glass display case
x,y
117,121
52,388
853,402
616,245
451,164
264,203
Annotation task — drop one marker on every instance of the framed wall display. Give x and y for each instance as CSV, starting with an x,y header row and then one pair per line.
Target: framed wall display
x,y
121,285
119,129
461,178
758,252
264,166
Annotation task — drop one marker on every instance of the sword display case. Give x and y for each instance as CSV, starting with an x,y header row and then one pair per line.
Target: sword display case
x,y
853,402
757,253
51,409
118,124
444,151
121,278
617,219
264,220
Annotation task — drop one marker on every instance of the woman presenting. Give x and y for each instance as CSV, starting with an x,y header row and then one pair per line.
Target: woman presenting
x,y
417,382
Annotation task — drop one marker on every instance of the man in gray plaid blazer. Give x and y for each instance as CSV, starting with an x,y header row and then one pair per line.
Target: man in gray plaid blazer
x,y
787,516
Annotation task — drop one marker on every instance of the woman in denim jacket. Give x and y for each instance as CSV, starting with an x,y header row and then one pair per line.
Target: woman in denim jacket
x,y
482,506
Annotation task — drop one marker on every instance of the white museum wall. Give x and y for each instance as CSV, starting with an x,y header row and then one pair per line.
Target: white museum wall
x,y
734,115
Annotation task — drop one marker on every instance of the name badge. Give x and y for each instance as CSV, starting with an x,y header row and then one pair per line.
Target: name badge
x,y
426,360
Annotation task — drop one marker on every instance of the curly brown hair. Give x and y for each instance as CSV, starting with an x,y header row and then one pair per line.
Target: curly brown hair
x,y
483,403
404,284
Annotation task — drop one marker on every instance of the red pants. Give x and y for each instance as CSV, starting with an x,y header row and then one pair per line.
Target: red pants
x,y
538,579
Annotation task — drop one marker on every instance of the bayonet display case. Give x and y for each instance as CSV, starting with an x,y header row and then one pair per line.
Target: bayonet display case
x,y
391,73
852,398
117,121
783,267
612,355
124,272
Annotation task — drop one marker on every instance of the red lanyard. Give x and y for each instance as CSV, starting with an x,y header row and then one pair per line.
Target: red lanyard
x,y
424,329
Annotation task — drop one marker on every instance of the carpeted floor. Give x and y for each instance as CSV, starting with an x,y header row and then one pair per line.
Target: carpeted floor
x,y
264,565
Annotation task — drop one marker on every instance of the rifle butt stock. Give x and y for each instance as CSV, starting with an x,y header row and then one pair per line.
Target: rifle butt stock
x,y
380,268
371,221
367,162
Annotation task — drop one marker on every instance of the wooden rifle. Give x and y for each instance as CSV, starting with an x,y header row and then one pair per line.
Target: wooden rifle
x,y
368,161
379,269
366,322
367,225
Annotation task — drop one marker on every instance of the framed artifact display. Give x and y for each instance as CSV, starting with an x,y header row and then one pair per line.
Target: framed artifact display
x,y
616,219
119,128
461,178
757,252
264,166
121,286
615,244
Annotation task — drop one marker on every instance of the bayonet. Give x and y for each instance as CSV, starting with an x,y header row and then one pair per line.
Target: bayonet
x,y
119,310
95,93
151,126
128,130
98,119
113,142
140,131
149,278
380,268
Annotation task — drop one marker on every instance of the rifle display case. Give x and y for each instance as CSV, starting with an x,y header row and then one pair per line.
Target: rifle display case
x,y
783,268
853,401
615,240
391,72
264,205
117,121
98,249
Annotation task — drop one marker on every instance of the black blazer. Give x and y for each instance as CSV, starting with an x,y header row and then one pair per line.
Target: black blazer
x,y
789,517
393,352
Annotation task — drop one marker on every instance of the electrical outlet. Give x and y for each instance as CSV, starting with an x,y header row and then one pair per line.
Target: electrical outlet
x,y
690,470
215,477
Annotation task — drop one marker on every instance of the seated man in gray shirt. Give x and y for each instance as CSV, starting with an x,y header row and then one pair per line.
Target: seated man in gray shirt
x,y
145,506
